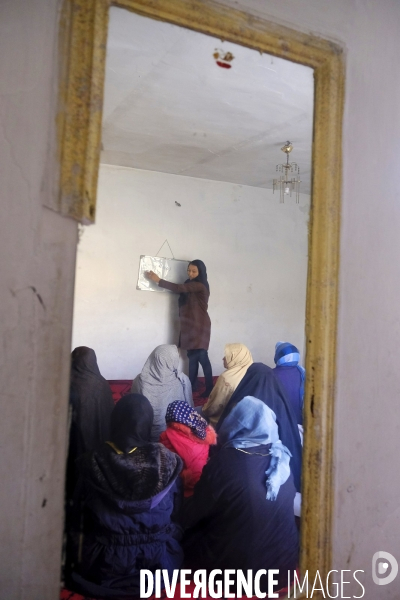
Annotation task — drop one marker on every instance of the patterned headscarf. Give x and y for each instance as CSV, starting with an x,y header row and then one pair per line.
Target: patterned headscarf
x,y
181,412
287,355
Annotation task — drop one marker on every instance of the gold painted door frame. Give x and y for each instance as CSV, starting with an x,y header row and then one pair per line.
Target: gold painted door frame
x,y
83,38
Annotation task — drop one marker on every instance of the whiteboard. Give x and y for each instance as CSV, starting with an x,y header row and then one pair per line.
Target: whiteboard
x,y
169,269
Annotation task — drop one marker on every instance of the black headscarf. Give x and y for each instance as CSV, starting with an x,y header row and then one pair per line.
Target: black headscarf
x,y
201,278
91,400
131,422
261,383
84,362
91,405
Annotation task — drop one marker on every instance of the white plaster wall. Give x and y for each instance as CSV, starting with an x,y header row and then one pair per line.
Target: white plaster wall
x,y
37,252
254,247
37,248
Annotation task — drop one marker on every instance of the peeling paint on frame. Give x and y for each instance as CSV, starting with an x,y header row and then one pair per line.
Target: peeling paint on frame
x,y
84,26
84,33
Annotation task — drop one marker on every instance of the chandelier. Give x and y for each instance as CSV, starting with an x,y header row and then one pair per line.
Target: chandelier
x,y
287,184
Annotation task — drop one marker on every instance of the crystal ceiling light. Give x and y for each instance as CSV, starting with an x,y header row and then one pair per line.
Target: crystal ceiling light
x,y
287,184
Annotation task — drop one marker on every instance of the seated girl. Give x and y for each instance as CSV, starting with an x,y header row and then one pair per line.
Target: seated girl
x,y
237,360
261,383
241,513
130,492
189,435
162,382
91,405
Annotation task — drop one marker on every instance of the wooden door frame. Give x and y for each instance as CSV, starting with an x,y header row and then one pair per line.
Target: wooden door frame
x,y
84,26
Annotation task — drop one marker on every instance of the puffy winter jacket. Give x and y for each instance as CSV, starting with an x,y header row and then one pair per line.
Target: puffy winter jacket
x,y
127,522
193,451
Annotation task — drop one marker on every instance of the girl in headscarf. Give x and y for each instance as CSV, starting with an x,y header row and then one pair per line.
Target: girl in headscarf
x,y
291,375
130,491
190,436
261,383
194,319
162,382
91,405
241,513
237,360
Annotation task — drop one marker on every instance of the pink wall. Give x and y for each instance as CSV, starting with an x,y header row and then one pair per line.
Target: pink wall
x,y
37,251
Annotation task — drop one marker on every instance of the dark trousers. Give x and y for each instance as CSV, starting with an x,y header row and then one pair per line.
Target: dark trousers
x,y
200,356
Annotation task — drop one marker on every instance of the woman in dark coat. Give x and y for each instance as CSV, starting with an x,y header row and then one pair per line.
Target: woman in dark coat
x,y
130,491
261,383
292,375
194,319
91,405
241,513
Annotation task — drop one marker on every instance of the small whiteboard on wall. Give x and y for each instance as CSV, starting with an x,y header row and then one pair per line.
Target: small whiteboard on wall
x,y
169,269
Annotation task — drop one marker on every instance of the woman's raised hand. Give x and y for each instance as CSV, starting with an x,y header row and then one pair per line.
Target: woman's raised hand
x,y
151,275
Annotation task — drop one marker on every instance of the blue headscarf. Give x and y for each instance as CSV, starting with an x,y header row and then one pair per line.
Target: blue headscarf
x,y
252,423
287,355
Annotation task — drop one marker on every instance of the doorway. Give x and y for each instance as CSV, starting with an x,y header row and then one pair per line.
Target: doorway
x,y
326,61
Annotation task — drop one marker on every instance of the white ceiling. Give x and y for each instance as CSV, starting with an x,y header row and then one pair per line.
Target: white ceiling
x,y
169,107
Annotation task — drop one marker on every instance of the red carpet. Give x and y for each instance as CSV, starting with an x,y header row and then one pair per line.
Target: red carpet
x,y
121,387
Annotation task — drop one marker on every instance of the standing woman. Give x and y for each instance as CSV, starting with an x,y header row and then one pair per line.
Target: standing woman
x,y
194,319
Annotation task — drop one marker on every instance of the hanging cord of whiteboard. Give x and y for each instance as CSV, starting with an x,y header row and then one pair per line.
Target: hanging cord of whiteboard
x,y
170,249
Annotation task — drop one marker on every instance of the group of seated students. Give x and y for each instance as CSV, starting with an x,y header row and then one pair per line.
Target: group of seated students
x,y
154,483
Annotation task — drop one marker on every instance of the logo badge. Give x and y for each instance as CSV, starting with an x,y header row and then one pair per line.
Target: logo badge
x,y
384,568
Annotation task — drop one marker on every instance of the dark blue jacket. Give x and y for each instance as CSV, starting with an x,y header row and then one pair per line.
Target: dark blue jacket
x,y
290,378
128,520
260,382
231,525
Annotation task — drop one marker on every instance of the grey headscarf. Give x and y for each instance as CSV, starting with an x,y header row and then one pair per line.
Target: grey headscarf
x,y
162,383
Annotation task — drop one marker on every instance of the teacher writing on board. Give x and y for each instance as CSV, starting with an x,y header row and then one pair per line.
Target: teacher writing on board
x,y
194,319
